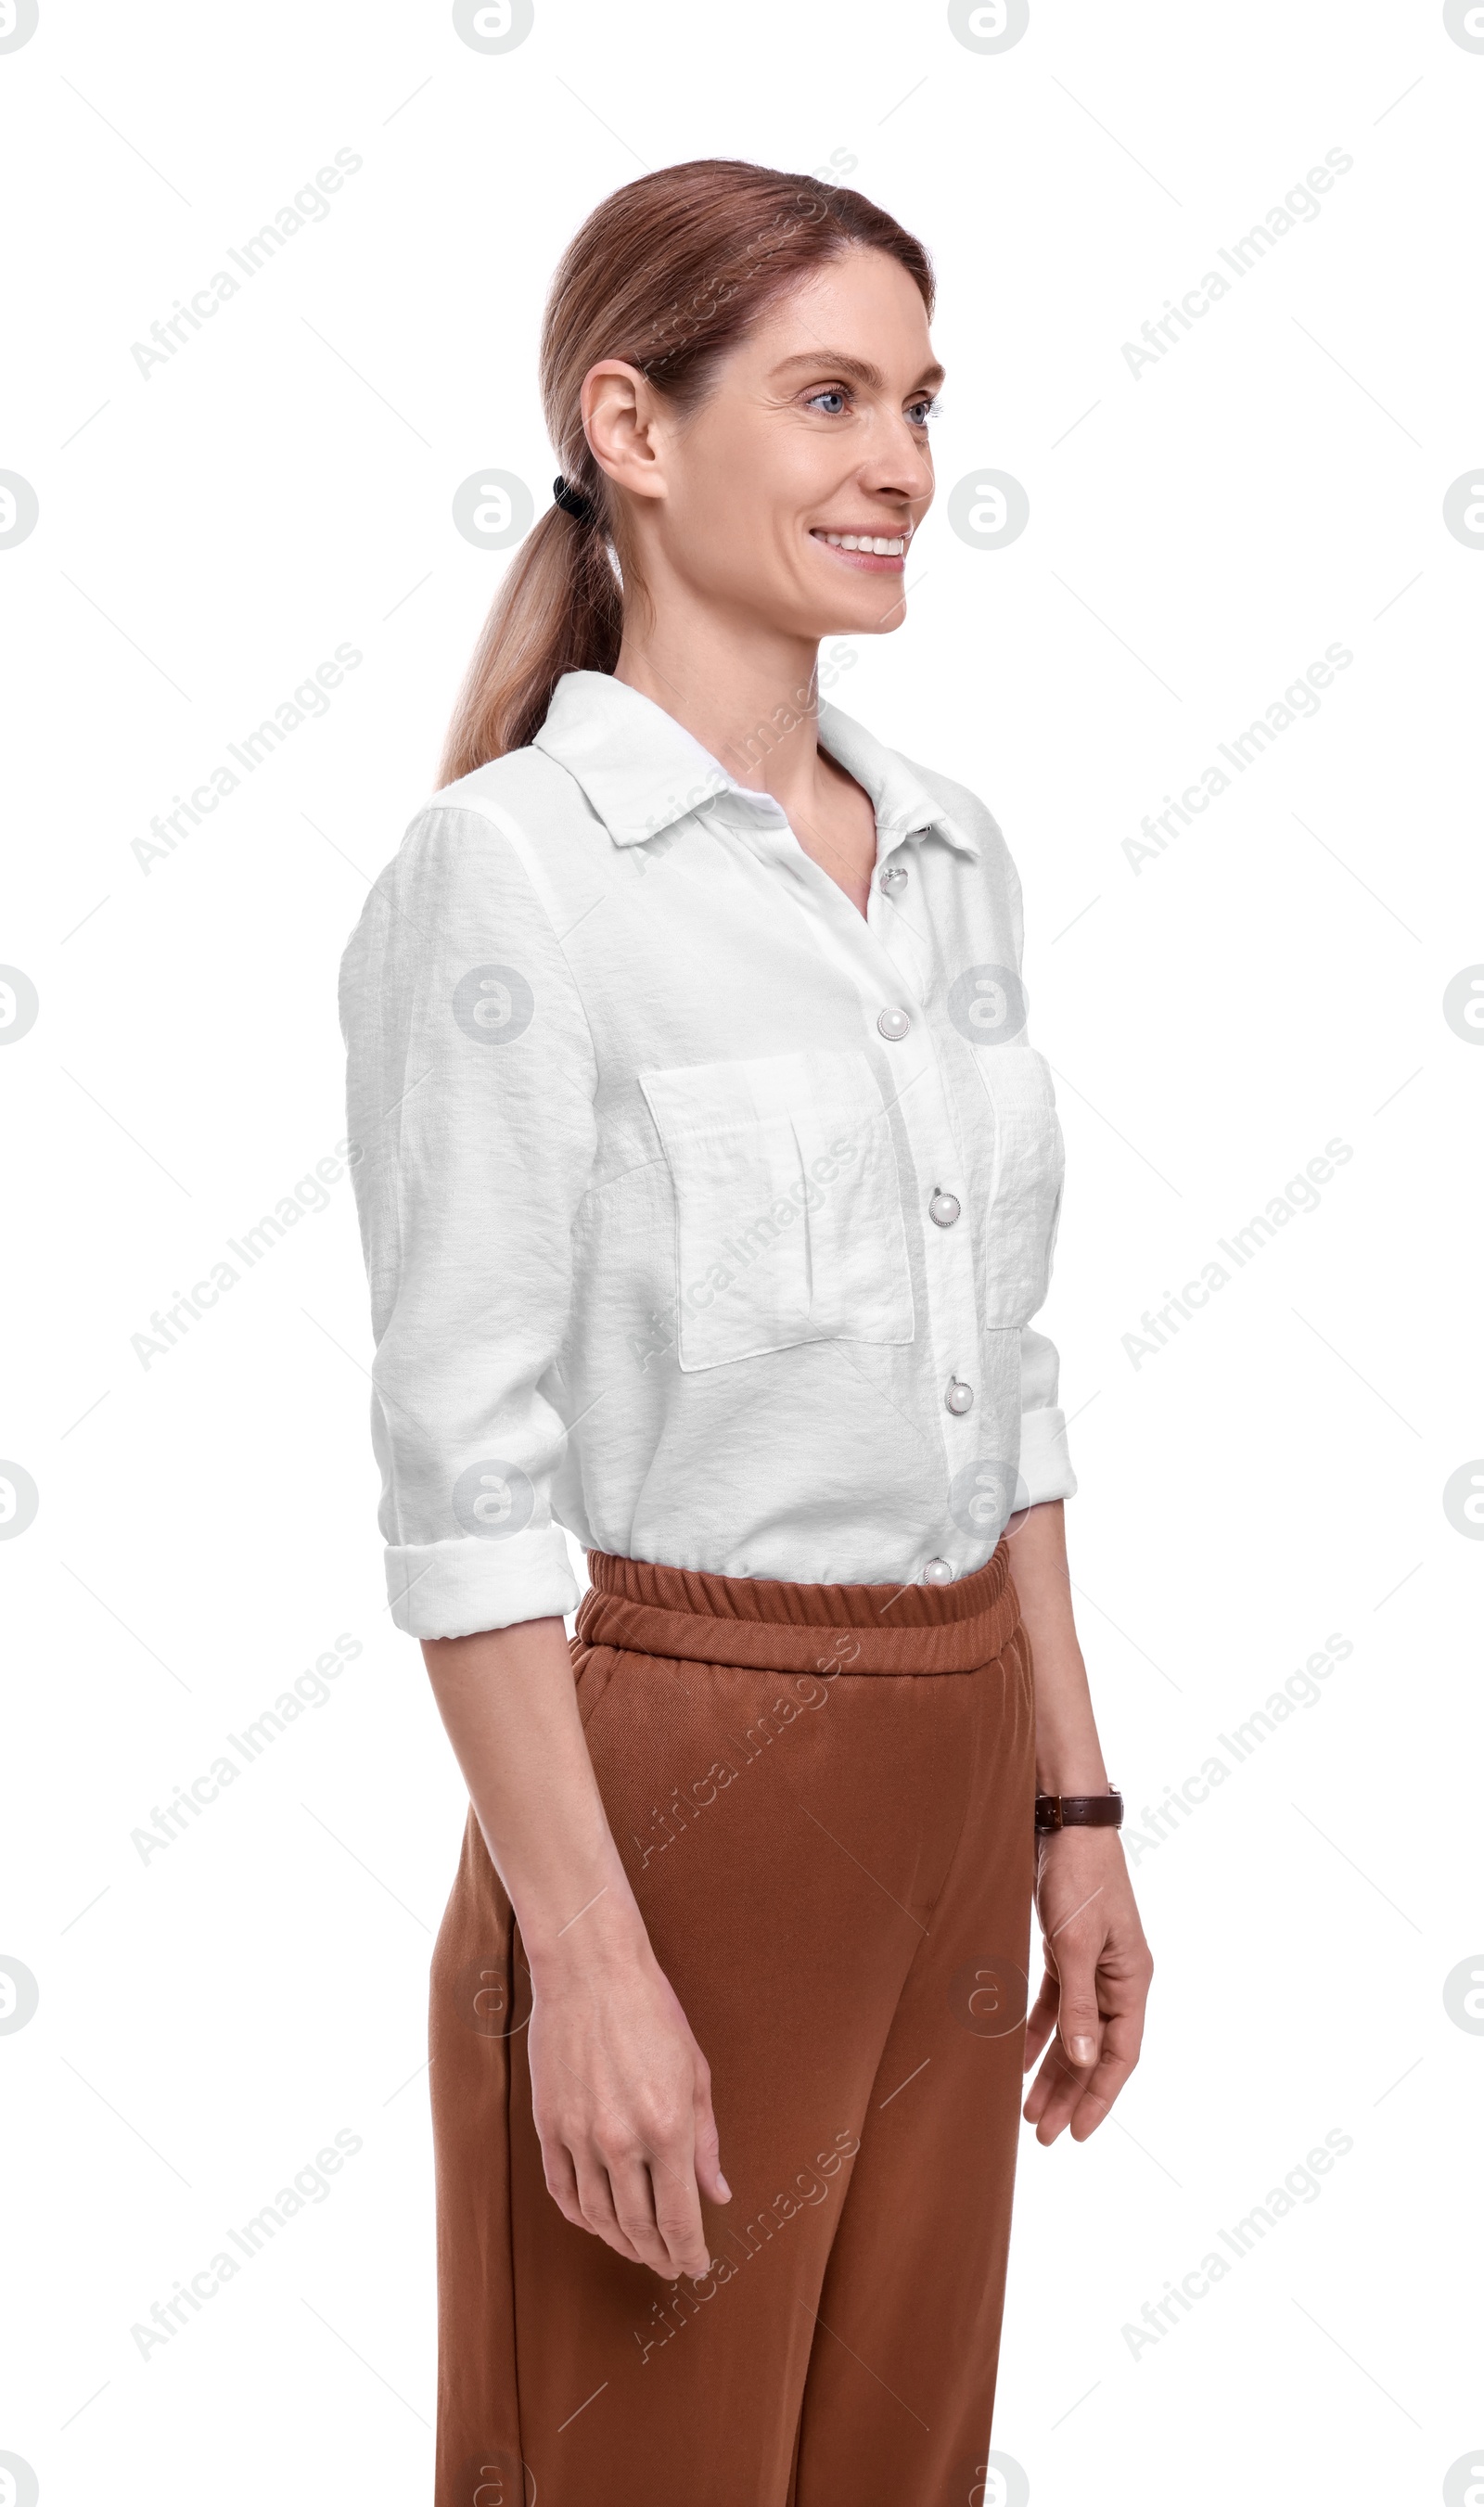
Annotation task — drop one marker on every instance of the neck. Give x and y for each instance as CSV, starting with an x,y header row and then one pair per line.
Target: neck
x,y
749,694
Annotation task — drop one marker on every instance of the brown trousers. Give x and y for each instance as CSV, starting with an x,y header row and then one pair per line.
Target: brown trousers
x,y
823,1799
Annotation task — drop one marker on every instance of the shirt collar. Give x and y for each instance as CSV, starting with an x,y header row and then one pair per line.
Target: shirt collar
x,y
641,769
904,806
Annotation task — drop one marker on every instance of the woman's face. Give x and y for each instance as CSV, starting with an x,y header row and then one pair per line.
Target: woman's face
x,y
815,432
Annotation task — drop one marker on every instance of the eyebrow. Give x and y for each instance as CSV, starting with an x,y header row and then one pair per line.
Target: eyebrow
x,y
856,368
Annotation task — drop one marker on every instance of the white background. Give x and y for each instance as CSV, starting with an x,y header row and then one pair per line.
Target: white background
x,y
207,535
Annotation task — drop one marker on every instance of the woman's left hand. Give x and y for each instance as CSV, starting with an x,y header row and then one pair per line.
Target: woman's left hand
x,y
1091,2005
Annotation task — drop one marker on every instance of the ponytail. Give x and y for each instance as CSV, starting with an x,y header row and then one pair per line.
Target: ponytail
x,y
560,608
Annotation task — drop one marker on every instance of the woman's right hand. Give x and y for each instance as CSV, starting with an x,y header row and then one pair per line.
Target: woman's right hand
x,y
621,2089
622,2096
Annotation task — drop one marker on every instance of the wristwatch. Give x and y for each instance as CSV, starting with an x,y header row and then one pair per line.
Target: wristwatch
x,y
1078,1810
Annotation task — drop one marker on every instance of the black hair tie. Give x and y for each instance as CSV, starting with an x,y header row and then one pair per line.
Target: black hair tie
x,y
571,500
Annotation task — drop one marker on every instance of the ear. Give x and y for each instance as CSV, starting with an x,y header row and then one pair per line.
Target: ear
x,y
620,416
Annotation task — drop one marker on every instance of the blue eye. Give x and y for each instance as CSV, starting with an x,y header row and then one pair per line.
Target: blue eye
x,y
919,412
832,392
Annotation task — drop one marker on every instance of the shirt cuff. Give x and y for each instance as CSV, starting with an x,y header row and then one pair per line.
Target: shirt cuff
x,y
1046,1465
456,1588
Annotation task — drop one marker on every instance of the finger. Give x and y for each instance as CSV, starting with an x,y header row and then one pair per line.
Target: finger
x,y
708,2176
1120,2053
1073,2054
633,2206
1055,2111
1051,2072
1093,2105
595,2205
1070,2094
1064,2091
1053,2093
1080,2021
1036,2094
678,2212
1042,2020
561,2182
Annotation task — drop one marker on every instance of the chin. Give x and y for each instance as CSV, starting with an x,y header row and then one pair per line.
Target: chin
x,y
878,616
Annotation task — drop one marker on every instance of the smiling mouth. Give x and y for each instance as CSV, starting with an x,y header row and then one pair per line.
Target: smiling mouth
x,y
873,547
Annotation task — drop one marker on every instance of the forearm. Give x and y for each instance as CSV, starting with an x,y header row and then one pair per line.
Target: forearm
x,y
509,1705
1069,1757
620,2091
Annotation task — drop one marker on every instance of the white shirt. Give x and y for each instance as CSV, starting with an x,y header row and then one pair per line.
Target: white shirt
x,y
657,1136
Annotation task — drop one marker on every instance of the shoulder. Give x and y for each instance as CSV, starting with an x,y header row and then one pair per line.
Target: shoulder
x,y
516,797
501,834
478,875
526,784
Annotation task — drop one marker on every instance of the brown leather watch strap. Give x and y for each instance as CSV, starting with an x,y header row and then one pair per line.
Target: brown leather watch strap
x,y
1078,1810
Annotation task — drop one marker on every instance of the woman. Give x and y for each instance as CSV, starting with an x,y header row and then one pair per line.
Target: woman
x,y
707,1186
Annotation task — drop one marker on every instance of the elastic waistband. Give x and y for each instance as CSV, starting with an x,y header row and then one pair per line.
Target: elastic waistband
x,y
758,1622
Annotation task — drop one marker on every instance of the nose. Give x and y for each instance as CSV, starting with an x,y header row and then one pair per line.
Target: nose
x,y
899,463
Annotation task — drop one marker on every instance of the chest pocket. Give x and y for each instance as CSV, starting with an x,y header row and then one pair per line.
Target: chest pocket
x,y
788,1208
1029,1164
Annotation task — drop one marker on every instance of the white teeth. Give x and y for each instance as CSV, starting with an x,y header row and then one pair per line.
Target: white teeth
x,y
862,541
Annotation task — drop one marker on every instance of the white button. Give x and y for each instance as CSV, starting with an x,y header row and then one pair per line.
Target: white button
x,y
894,879
937,1571
893,1025
943,1208
959,1396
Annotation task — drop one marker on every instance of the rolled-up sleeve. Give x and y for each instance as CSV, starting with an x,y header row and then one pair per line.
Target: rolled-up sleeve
x,y
1045,1464
471,1081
